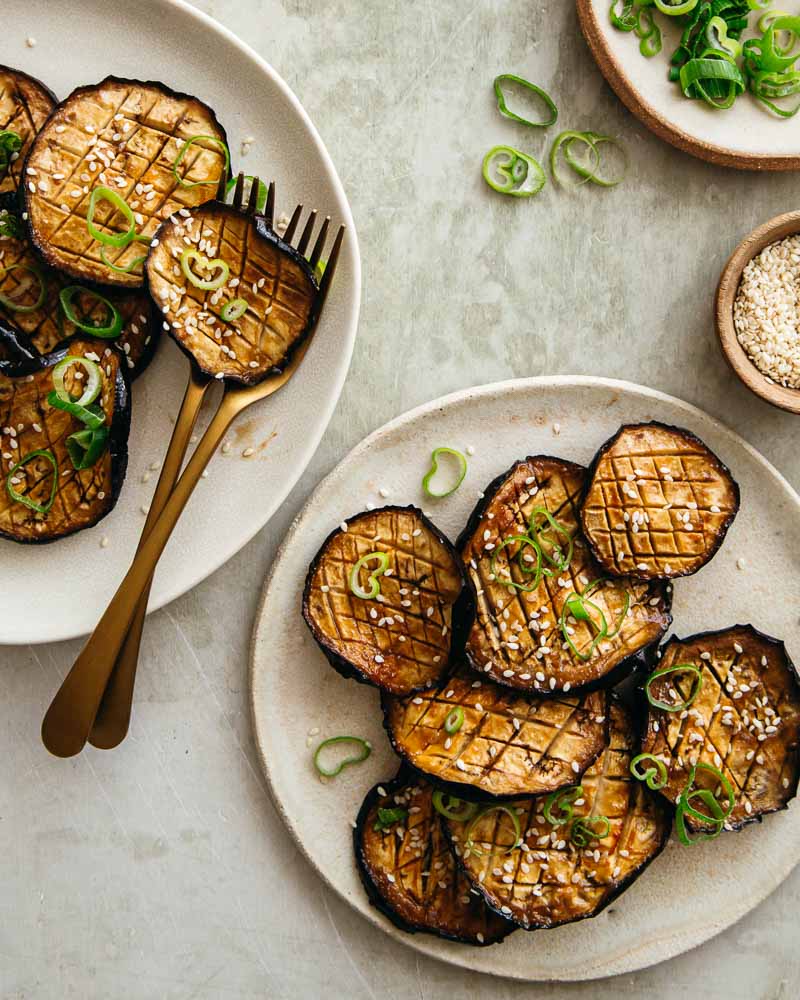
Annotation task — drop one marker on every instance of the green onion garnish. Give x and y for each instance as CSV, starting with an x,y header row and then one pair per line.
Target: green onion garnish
x,y
92,415
85,447
716,814
387,818
12,303
116,267
117,202
9,225
261,197
580,608
454,720
562,800
373,583
585,830
184,150
565,142
10,143
462,471
677,668
364,751
451,807
113,326
550,546
655,776
545,97
508,811
538,571
94,382
506,170
21,497
232,310
190,255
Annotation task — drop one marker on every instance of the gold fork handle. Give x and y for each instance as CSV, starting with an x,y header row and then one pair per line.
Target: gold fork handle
x,y
69,719
114,715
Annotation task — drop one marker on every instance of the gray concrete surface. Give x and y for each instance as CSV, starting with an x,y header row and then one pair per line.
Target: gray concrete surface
x,y
162,870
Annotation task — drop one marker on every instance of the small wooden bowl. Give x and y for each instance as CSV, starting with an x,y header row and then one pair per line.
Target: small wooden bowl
x,y
771,232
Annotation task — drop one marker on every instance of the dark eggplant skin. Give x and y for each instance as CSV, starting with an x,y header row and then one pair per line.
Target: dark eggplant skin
x,y
631,665
40,246
721,466
118,431
643,707
15,347
402,779
43,92
463,613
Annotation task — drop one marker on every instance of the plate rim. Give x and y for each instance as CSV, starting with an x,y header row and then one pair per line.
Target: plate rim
x,y
20,637
654,120
426,944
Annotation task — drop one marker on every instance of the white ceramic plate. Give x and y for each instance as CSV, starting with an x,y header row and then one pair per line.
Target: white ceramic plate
x,y
59,591
747,136
688,894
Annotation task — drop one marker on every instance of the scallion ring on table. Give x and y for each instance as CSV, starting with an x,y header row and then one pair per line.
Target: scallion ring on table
x,y
454,720
460,474
94,382
12,303
590,172
655,775
26,501
113,325
373,588
563,801
364,750
506,170
451,807
569,136
190,255
677,668
233,310
503,108
509,811
182,182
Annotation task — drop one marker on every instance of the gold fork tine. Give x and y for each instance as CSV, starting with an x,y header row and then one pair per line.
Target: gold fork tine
x,y
222,187
309,228
269,208
330,268
238,192
316,253
288,236
252,201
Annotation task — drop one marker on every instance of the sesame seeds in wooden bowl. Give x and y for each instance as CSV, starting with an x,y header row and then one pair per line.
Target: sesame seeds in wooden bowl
x,y
764,313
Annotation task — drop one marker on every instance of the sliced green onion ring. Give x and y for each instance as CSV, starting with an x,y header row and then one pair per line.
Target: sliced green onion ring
x,y
85,447
524,541
689,791
117,202
191,255
590,588
91,415
570,136
562,800
584,830
512,815
10,143
184,150
387,818
364,750
655,776
451,807
506,170
590,174
94,382
677,8
680,820
21,497
502,107
116,267
677,668
462,471
579,607
233,310
541,535
13,304
373,583
454,720
113,327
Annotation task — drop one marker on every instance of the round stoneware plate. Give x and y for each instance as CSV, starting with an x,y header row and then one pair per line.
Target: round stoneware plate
x,y
748,136
688,894
59,591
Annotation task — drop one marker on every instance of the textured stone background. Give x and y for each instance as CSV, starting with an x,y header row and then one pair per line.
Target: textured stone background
x,y
162,870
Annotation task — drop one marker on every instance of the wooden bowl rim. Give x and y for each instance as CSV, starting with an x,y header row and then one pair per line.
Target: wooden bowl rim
x,y
772,231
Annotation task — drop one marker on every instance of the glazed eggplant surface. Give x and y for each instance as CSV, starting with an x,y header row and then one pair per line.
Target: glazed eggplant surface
x,y
124,135
549,880
25,105
659,503
406,636
517,639
743,720
28,283
268,285
28,423
474,737
409,872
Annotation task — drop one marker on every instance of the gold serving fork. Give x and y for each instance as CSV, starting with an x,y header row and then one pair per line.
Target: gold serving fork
x,y
94,700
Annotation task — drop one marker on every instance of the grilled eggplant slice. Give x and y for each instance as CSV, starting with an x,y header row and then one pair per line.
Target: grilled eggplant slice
x,y
658,503
24,280
517,638
499,743
550,879
269,286
28,423
743,720
407,636
25,104
410,875
125,135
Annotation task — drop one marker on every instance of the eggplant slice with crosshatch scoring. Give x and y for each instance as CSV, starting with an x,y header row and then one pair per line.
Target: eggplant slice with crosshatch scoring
x,y
517,638
407,636
507,743
124,135
82,497
28,283
658,503
744,720
549,880
267,282
409,872
25,105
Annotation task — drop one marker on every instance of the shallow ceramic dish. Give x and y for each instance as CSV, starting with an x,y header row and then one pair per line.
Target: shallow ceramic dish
x,y
294,692
192,53
748,136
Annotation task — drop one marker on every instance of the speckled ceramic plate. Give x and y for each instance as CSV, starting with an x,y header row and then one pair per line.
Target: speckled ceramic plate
x,y
748,136
59,591
688,894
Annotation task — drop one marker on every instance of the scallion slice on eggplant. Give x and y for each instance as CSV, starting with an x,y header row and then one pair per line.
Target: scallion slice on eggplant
x,y
658,503
405,637
25,104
